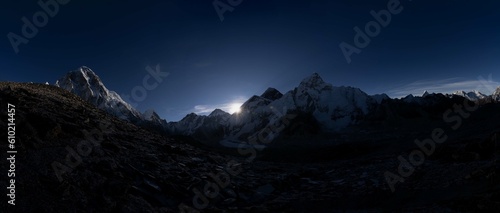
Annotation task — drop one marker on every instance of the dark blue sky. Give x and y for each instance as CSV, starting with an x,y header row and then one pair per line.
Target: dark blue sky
x,y
435,45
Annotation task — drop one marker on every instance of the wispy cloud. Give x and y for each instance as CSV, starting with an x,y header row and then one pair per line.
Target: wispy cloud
x,y
207,109
482,84
204,109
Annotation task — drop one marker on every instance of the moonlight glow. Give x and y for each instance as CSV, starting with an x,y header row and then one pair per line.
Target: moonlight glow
x,y
234,108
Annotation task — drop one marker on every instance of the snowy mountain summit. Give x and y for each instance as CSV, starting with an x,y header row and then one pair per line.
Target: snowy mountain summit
x,y
88,86
334,107
152,116
218,113
314,81
496,94
472,95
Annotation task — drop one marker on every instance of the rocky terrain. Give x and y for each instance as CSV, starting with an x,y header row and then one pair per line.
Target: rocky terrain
x,y
73,157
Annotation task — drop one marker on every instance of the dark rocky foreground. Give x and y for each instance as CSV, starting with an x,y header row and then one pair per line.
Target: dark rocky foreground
x,y
73,157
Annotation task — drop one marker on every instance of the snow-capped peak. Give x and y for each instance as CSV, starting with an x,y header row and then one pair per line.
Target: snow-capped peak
x,y
472,95
86,72
83,82
496,94
218,113
334,107
477,94
497,91
152,116
460,93
86,84
425,93
313,81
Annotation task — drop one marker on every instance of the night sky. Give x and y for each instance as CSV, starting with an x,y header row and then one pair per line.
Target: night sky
x,y
440,46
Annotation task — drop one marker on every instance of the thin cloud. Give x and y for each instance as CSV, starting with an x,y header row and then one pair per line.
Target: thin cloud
x,y
204,109
207,109
450,85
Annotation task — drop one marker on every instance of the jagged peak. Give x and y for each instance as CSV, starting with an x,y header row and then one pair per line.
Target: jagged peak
x,y
477,92
497,91
474,92
86,84
426,93
84,70
380,97
409,96
312,80
270,90
83,77
189,116
459,92
496,94
192,114
150,113
472,95
218,112
271,94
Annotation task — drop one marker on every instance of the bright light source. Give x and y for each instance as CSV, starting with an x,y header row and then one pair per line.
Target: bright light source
x,y
235,108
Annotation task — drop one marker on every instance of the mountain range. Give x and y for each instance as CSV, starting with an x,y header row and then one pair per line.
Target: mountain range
x,y
331,108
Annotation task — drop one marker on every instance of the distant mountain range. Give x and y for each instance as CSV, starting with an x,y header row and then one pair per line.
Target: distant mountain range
x,y
328,108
